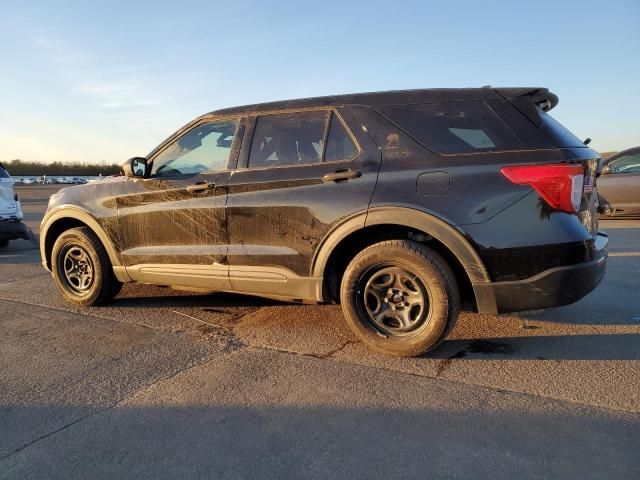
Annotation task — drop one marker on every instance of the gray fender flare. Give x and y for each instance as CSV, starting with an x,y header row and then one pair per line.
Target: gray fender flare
x,y
76,213
406,217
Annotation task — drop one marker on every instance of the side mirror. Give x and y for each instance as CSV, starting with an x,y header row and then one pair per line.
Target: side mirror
x,y
135,167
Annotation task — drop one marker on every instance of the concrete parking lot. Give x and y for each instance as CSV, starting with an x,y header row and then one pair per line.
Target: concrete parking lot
x,y
166,384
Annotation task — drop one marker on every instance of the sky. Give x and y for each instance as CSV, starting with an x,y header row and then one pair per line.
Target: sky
x,y
105,81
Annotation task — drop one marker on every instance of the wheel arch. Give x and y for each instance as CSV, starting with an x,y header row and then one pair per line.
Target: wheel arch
x,y
67,217
384,223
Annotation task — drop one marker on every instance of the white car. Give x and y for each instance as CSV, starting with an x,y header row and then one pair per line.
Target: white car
x,y
11,226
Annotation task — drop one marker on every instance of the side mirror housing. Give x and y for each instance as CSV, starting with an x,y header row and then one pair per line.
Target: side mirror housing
x,y
135,167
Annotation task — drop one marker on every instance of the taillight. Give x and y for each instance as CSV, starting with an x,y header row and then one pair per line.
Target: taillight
x,y
559,184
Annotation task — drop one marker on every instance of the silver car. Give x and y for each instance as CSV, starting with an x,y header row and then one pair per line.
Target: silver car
x,y
619,184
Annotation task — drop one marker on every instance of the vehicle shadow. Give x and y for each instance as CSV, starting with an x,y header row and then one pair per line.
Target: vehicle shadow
x,y
20,252
265,439
301,330
158,297
592,347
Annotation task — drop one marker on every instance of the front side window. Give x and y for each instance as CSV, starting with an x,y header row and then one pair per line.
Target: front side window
x,y
625,164
205,148
454,127
288,139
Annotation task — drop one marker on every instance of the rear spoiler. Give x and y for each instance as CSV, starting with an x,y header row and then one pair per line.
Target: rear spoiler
x,y
541,97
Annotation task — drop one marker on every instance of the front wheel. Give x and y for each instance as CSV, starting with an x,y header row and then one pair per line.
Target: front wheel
x,y
400,297
81,268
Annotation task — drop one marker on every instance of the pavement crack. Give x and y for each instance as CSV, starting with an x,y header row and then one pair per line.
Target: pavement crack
x,y
225,333
339,349
447,361
53,432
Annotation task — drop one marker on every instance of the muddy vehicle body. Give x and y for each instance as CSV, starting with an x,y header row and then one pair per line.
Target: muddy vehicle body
x,y
403,206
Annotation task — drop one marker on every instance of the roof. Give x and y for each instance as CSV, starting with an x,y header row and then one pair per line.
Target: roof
x,y
393,97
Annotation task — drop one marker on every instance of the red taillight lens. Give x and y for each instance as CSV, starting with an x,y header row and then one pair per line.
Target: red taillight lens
x,y
559,184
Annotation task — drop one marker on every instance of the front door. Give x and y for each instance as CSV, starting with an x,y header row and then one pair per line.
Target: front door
x,y
172,224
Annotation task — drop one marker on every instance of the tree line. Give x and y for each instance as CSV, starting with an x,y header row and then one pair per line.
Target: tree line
x,y
35,169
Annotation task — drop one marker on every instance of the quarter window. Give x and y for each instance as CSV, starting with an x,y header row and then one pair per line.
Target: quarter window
x,y
205,148
340,146
288,139
454,127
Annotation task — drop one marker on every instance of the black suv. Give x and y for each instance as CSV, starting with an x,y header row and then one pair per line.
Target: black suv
x,y
403,206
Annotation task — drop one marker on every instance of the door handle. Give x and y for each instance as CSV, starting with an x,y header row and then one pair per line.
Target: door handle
x,y
200,187
341,175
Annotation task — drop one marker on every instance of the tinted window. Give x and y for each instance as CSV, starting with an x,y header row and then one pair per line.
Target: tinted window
x,y
554,130
3,172
454,127
288,139
205,148
626,164
340,146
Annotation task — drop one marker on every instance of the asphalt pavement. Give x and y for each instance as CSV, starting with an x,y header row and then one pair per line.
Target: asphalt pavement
x,y
166,384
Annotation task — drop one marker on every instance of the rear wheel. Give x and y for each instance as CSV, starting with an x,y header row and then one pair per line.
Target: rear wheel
x,y
81,268
400,297
4,243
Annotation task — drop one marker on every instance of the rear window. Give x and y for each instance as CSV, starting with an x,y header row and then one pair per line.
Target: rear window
x,y
454,127
3,172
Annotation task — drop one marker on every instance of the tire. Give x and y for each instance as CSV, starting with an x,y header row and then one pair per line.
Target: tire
x,y
81,268
397,323
4,243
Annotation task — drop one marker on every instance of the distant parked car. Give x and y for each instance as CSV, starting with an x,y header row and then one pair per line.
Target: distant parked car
x,y
619,184
11,226
79,180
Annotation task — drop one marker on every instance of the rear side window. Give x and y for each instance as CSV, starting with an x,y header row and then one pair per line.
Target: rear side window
x,y
454,127
3,172
340,146
288,139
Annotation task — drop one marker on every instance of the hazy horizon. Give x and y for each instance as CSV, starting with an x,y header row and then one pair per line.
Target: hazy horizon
x,y
102,83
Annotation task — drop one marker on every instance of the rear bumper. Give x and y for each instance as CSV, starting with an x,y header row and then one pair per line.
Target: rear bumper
x,y
552,288
12,230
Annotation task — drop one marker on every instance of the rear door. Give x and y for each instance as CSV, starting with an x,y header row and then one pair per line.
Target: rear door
x,y
299,173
